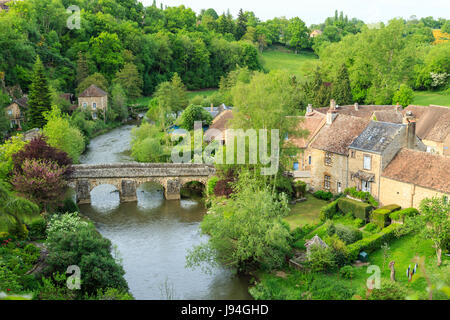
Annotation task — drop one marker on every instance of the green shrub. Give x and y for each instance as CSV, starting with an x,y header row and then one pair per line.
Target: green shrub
x,y
388,291
328,211
347,272
372,227
321,259
380,217
365,196
323,288
68,206
401,214
9,281
37,229
113,294
372,242
331,229
360,210
340,250
18,231
348,234
392,207
300,187
210,185
324,195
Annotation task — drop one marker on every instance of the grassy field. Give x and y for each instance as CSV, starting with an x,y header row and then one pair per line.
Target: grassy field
x,y
425,98
280,58
305,212
144,101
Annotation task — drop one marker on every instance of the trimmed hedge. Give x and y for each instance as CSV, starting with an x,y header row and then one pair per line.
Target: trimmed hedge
x,y
381,215
392,207
324,195
401,214
360,210
328,211
348,234
372,242
364,196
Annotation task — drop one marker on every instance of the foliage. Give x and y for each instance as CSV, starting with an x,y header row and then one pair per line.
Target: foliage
x,y
324,195
113,294
96,79
380,217
359,209
7,150
37,229
146,144
68,206
130,81
321,259
194,113
211,185
341,91
55,288
348,234
246,231
372,242
401,214
62,135
372,227
388,291
172,95
365,196
347,272
118,103
72,241
40,181
404,95
39,100
328,211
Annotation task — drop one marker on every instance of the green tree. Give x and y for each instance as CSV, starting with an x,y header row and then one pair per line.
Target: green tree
x,y
62,135
119,102
130,80
82,68
94,79
106,51
10,147
404,95
299,35
241,25
39,98
435,218
172,95
341,91
194,113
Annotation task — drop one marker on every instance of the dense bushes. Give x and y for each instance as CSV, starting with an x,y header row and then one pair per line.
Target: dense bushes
x,y
381,215
360,210
347,272
72,241
37,229
324,195
364,196
300,188
372,242
348,234
328,211
211,185
401,214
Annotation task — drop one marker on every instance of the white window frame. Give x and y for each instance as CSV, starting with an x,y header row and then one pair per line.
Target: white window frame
x,y
94,105
367,165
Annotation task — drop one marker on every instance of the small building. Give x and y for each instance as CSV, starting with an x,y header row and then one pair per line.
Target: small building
x,y
219,126
414,175
315,33
366,111
93,99
16,112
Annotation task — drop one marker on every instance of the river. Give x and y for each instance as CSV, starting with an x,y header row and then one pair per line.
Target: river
x,y
152,236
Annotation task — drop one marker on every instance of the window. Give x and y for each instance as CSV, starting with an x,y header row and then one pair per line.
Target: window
x,y
309,160
339,187
327,182
328,158
295,167
365,186
94,106
367,162
10,112
94,115
353,153
84,105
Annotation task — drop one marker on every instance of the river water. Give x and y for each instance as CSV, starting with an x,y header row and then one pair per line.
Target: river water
x,y
152,236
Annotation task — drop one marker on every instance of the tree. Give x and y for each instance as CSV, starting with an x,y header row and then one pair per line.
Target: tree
x,y
299,35
62,135
194,113
404,95
106,51
95,79
241,25
341,91
130,80
7,150
435,218
40,181
246,232
39,98
82,68
119,102
172,95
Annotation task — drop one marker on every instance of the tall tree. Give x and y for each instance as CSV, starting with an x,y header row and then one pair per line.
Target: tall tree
x,y
299,35
39,98
241,25
82,68
341,91
130,80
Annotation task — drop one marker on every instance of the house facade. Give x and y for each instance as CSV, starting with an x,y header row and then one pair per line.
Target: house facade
x,y
93,99
16,112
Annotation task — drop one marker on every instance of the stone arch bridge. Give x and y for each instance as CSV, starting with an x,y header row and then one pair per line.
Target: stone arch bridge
x,y
127,177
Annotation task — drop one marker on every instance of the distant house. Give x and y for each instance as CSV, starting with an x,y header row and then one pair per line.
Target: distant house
x,y
218,128
315,33
16,111
93,99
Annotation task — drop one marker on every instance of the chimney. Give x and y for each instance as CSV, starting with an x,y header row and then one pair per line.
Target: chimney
x,y
356,106
309,109
398,108
410,122
212,107
332,104
332,112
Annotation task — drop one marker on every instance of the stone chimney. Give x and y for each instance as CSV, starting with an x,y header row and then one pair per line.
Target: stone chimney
x,y
356,106
332,112
309,109
212,107
410,122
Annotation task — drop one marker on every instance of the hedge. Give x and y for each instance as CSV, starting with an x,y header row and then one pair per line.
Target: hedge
x,y
328,211
360,210
324,195
399,215
348,234
381,215
372,242
364,196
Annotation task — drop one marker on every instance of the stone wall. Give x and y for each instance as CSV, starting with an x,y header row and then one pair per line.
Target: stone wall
x,y
337,170
356,164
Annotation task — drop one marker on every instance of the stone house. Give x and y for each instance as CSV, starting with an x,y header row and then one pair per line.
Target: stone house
x,y
93,99
367,111
374,149
3,5
16,111
330,149
315,33
433,127
218,128
414,175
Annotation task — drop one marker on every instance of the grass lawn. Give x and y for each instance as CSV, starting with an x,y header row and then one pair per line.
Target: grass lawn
x,y
305,212
280,58
144,101
425,98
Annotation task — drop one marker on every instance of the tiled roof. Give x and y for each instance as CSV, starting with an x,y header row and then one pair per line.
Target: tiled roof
x,y
312,123
22,102
388,116
376,136
338,136
420,168
432,122
93,91
219,123
364,111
